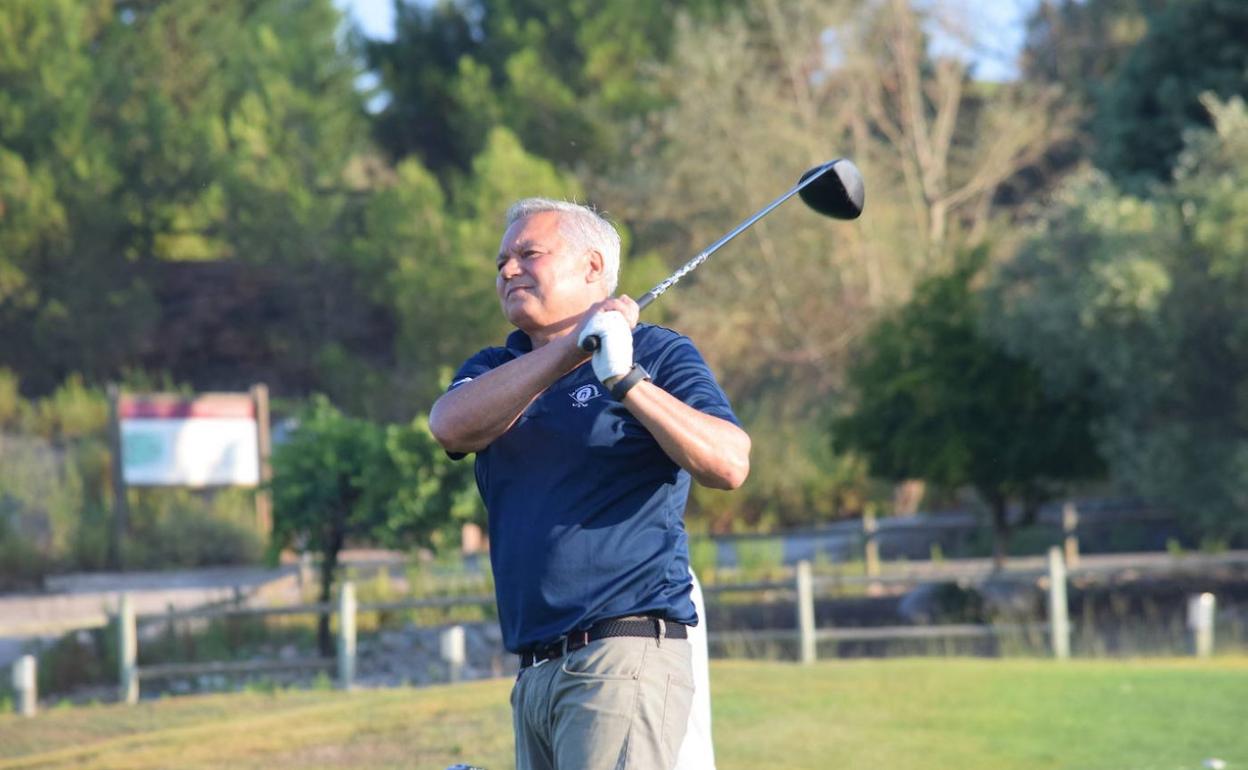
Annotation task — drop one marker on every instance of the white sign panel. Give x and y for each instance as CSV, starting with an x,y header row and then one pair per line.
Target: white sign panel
x,y
189,443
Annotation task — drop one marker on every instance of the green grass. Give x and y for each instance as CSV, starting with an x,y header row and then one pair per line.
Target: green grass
x,y
919,713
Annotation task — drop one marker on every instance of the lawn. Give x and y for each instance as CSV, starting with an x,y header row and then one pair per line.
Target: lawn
x,y
934,714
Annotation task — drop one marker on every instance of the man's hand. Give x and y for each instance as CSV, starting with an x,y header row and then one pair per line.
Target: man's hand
x,y
612,321
614,356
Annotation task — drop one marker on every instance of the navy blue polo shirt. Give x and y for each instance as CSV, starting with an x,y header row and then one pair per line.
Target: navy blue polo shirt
x,y
586,510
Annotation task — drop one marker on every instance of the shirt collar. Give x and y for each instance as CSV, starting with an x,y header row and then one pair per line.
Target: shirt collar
x,y
519,343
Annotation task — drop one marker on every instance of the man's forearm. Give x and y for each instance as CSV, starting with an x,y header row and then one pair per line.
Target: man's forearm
x,y
470,417
714,451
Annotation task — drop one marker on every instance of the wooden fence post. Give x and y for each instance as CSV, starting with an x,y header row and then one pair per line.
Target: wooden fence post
x,y
264,448
346,636
127,651
871,543
806,612
1059,616
1070,532
25,685
121,509
453,651
306,574
1200,614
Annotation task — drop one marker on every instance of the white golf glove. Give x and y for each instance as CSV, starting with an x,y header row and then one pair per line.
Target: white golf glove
x,y
614,356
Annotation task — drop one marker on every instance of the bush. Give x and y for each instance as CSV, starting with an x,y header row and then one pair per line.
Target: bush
x,y
78,659
703,557
760,557
22,567
178,528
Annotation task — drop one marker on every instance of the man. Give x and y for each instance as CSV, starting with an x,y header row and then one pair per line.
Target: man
x,y
585,471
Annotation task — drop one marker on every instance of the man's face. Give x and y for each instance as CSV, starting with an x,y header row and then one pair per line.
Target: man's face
x,y
544,282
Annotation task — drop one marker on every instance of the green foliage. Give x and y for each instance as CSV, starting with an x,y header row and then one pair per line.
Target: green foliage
x,y
1079,44
71,411
1145,298
56,496
760,557
341,479
756,98
24,566
934,398
1191,48
53,480
703,557
183,528
147,147
138,134
570,80
78,659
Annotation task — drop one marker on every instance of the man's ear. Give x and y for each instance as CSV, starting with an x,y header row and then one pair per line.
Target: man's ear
x,y
596,267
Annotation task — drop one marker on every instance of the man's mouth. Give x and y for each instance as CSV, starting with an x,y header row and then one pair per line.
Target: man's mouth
x,y
513,289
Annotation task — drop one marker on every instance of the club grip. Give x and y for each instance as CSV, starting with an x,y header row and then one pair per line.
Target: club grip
x,y
592,343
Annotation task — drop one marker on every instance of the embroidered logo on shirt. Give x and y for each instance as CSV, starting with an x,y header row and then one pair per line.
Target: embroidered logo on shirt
x,y
584,394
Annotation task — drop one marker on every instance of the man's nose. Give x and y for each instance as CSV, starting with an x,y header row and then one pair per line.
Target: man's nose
x,y
509,268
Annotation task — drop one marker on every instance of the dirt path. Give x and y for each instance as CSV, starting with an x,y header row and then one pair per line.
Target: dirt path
x,y
85,600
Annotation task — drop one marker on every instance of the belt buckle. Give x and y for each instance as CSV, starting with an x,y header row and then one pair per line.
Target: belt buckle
x,y
580,638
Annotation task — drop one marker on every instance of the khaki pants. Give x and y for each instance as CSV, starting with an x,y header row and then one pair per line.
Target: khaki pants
x,y
616,704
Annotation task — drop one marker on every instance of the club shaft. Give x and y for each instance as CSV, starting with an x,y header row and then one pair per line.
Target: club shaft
x,y
591,343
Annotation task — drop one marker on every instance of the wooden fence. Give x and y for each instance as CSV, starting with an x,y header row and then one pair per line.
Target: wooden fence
x,y
346,609
1052,571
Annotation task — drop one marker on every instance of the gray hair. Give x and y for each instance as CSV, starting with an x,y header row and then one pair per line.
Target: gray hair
x,y
584,227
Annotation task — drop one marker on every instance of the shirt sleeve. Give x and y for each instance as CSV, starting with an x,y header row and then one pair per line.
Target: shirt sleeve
x,y
481,362
681,371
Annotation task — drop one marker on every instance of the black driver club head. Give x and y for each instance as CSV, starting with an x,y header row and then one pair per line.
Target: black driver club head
x,y
837,192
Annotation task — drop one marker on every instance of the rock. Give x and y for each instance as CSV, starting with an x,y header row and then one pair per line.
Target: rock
x,y
942,603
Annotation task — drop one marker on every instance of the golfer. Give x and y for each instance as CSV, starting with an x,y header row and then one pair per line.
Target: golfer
x,y
585,467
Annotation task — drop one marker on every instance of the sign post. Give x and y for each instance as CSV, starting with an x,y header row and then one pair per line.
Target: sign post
x,y
209,440
202,441
264,449
121,509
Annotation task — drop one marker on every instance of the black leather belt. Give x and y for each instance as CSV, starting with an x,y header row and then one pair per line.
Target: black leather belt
x,y
651,628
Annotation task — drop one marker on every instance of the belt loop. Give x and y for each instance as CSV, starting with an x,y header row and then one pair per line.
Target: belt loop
x,y
661,627
566,638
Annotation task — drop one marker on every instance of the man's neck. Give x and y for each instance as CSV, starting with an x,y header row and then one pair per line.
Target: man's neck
x,y
542,337
547,334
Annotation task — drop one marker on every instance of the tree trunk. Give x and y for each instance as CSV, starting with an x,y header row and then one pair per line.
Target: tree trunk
x,y
1000,532
329,565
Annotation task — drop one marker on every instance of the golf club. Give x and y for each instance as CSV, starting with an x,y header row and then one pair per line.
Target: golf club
x,y
838,195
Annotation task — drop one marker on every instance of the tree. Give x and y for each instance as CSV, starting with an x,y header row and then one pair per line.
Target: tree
x,y
1140,301
1191,48
934,398
569,79
957,143
756,100
136,135
1081,44
1076,46
62,264
340,479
